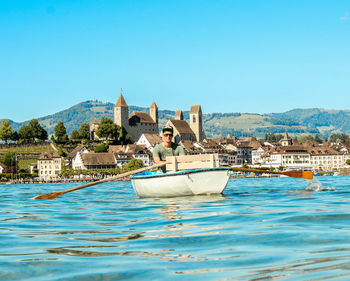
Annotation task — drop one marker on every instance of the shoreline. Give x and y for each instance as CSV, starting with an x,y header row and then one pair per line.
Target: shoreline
x,y
87,181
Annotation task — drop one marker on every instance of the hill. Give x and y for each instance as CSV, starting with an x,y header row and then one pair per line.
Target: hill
x,y
297,121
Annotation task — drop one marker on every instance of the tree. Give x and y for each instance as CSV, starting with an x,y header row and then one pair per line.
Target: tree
x,y
107,129
271,137
6,132
101,148
337,137
347,162
9,159
74,136
38,131
26,134
318,139
134,164
84,131
303,139
123,135
60,133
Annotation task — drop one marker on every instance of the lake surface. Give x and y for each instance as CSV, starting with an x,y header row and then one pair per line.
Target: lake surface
x,y
259,229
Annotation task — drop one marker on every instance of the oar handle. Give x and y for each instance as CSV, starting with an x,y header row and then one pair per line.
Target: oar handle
x,y
53,195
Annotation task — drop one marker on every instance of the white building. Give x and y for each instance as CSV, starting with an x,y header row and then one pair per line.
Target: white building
x,y
124,154
149,141
49,165
88,161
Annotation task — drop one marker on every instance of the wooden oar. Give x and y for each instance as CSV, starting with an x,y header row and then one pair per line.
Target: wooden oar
x,y
308,175
53,195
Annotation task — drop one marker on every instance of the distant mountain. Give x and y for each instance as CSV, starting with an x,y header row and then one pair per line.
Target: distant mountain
x,y
297,121
325,120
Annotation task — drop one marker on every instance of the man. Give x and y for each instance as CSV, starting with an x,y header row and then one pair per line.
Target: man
x,y
167,147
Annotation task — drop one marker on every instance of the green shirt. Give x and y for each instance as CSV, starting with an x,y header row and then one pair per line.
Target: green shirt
x,y
161,152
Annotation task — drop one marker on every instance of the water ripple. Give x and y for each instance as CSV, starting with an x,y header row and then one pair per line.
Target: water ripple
x,y
260,229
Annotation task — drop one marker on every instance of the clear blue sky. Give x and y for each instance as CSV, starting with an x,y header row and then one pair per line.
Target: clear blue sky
x,y
228,56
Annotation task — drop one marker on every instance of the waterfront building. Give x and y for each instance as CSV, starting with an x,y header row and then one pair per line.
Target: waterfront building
x,y
73,154
49,165
326,158
88,161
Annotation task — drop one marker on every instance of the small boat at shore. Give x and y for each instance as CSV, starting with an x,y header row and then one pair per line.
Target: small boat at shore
x,y
181,183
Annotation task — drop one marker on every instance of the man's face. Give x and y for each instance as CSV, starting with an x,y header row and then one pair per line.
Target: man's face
x,y
167,136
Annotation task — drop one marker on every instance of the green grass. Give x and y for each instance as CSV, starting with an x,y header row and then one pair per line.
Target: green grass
x,y
28,149
24,163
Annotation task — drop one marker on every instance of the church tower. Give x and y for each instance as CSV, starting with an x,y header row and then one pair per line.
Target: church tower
x,y
196,122
121,112
286,140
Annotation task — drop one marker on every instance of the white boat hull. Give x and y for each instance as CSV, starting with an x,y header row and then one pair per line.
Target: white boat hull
x,y
184,183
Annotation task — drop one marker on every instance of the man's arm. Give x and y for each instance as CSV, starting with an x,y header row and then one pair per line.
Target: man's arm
x,y
157,160
156,155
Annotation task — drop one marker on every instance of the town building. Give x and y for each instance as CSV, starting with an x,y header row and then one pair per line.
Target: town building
x,y
73,154
325,158
149,141
124,154
49,165
90,161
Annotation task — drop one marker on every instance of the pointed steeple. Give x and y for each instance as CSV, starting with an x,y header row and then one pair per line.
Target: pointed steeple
x,y
153,105
121,101
286,140
286,137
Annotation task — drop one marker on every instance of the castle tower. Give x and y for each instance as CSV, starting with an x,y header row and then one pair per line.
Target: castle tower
x,y
179,115
196,122
121,112
153,112
93,128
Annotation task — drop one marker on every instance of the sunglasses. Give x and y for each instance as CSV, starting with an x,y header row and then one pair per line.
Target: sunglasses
x,y
168,135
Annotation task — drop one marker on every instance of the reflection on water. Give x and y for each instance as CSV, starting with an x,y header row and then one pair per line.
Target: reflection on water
x,y
260,229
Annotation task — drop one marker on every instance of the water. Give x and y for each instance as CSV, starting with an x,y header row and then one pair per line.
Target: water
x,y
260,229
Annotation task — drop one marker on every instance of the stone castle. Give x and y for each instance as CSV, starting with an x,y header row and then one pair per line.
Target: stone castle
x,y
138,123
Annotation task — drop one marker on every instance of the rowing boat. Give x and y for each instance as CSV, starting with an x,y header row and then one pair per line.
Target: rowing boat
x,y
181,183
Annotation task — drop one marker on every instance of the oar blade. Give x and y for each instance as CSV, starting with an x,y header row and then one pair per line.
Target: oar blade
x,y
308,175
48,196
